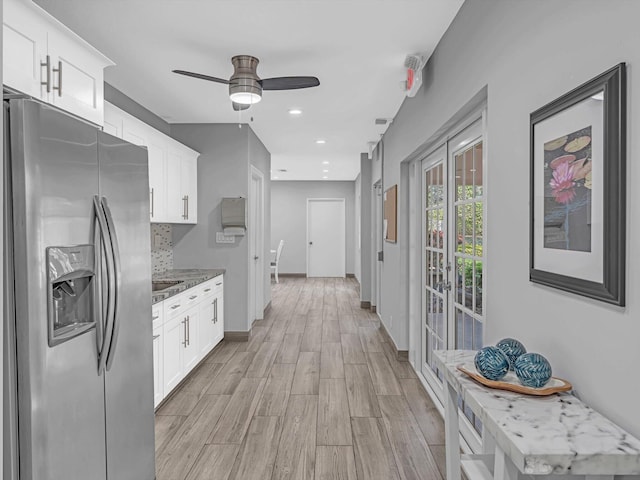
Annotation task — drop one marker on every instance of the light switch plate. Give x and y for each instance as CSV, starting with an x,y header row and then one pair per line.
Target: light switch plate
x,y
222,238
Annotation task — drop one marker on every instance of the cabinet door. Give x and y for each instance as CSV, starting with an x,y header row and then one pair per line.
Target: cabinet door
x,y
173,340
191,348
158,354
134,131
77,77
175,203
206,324
113,120
157,178
24,47
189,187
218,316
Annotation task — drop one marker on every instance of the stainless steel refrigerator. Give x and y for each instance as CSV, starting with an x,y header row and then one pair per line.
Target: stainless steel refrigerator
x,y
79,344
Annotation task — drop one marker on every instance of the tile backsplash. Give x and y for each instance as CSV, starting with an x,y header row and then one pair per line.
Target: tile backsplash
x,y
161,247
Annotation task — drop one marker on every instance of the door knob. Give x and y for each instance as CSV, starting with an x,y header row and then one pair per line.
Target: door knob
x,y
255,258
310,243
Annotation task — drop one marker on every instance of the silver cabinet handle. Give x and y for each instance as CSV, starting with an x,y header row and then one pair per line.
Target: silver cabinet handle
x,y
47,65
155,337
151,193
185,207
215,310
192,297
207,290
173,307
155,317
184,325
218,284
59,72
188,330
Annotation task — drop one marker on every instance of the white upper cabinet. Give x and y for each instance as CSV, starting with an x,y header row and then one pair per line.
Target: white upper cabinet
x,y
182,185
46,60
173,168
189,185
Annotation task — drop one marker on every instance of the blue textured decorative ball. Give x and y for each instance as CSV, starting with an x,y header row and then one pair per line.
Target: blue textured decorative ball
x,y
492,363
533,370
512,348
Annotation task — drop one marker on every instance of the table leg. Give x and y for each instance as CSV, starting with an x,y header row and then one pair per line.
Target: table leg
x,y
452,438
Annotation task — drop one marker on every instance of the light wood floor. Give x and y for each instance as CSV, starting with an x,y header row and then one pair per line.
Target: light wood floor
x,y
316,393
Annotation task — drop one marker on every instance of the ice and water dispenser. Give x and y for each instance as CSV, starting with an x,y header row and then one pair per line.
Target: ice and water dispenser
x,y
70,292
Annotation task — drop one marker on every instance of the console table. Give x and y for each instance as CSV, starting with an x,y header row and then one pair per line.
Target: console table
x,y
528,435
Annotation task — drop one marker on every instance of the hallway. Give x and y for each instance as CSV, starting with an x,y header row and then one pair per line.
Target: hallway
x,y
315,393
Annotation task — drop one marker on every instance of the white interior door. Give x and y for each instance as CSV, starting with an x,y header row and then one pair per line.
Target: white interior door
x,y
326,238
256,250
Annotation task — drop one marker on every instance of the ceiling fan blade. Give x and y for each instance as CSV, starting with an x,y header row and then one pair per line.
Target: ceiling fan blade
x,y
239,106
289,83
201,76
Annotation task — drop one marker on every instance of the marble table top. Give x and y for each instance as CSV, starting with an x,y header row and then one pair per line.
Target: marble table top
x,y
556,434
188,277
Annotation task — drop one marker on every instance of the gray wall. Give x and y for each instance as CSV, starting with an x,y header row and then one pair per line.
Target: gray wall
x,y
289,219
260,158
357,267
365,228
223,171
526,56
123,102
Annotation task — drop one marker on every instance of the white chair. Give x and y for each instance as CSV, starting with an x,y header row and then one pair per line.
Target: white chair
x,y
276,261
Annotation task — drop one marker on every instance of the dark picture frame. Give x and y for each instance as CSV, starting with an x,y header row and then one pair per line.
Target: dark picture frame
x,y
578,190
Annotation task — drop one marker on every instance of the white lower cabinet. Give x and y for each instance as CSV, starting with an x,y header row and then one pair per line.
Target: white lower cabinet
x,y
193,325
206,326
157,316
173,333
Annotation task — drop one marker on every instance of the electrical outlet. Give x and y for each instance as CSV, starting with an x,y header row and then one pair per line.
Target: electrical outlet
x,y
222,238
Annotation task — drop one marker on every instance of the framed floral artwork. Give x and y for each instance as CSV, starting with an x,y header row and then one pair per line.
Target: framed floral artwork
x,y
577,155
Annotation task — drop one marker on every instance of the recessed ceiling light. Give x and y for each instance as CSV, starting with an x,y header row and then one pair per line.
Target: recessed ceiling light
x,y
295,111
321,142
325,177
325,171
326,162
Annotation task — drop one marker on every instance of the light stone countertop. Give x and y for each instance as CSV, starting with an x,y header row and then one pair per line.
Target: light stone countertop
x,y
189,278
556,434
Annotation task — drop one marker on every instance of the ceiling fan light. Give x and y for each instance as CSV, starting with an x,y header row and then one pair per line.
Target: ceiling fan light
x,y
245,98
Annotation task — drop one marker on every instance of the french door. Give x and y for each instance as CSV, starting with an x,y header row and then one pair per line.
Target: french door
x,y
452,249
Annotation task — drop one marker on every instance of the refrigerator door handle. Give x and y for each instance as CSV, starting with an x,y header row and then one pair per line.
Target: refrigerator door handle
x,y
117,281
108,326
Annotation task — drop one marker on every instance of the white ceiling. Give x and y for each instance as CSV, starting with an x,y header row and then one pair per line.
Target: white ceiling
x,y
355,47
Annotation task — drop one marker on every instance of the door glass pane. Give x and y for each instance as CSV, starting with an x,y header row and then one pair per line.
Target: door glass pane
x,y
477,169
478,215
459,166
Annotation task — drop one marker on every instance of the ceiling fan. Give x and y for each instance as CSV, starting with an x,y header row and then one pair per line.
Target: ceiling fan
x,y
245,87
